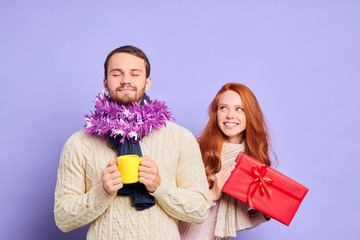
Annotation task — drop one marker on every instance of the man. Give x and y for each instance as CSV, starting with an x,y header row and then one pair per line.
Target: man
x,y
172,183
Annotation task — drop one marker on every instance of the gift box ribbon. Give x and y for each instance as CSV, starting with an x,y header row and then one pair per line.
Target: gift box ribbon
x,y
261,182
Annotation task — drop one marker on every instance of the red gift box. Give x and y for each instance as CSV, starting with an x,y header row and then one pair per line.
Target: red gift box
x,y
265,189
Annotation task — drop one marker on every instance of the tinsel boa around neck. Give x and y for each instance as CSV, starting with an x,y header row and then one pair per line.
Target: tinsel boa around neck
x,y
130,122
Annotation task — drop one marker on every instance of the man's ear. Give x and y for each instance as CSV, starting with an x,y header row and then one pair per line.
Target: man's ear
x,y
147,83
105,85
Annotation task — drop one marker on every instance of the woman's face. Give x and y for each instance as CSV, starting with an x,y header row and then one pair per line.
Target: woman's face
x,y
231,118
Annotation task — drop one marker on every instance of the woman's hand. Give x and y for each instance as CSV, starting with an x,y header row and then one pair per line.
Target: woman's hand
x,y
220,179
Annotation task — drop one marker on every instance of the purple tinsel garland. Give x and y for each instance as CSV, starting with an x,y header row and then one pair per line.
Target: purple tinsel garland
x,y
131,122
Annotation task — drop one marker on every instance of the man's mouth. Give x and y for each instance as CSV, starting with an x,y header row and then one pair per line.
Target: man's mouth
x,y
126,89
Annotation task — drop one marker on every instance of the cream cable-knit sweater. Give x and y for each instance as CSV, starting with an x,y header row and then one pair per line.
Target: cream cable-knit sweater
x,y
80,198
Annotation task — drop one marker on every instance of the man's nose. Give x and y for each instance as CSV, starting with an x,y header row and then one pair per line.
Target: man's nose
x,y
125,79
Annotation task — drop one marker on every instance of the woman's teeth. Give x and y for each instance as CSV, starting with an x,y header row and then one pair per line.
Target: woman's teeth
x,y
230,124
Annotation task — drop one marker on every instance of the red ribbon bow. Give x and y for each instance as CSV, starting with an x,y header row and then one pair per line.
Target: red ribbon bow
x,y
261,182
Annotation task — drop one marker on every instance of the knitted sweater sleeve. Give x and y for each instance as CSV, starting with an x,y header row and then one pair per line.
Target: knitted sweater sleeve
x,y
257,217
74,206
187,198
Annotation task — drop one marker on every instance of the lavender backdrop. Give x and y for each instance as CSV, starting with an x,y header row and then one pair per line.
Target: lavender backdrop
x,y
301,59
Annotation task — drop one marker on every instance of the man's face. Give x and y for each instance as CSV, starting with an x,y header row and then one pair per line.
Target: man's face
x,y
126,81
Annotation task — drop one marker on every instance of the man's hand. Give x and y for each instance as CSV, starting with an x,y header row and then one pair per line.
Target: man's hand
x,y
111,179
220,179
149,174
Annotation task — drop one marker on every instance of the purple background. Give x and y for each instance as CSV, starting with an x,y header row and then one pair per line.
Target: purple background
x,y
300,58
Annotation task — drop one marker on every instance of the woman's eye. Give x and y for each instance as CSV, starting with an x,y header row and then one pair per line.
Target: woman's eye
x,y
222,108
239,109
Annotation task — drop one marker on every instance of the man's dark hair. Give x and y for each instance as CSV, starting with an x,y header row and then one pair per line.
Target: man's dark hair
x,y
131,50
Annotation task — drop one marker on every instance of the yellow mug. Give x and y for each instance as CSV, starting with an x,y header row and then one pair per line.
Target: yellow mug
x,y
128,166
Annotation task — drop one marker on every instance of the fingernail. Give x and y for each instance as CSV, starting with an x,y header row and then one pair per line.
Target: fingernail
x,y
234,163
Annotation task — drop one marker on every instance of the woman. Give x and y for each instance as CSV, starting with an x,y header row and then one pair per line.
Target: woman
x,y
236,125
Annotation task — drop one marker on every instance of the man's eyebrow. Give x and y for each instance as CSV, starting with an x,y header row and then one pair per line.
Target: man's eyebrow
x,y
120,70
115,69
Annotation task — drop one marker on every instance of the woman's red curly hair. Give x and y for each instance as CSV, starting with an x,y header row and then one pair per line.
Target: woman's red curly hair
x,y
255,135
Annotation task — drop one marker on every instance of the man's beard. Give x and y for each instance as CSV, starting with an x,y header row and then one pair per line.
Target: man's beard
x,y
127,97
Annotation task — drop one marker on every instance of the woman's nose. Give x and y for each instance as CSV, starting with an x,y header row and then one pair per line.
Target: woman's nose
x,y
230,114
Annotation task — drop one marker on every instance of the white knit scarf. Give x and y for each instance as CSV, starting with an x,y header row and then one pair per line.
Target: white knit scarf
x,y
232,214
